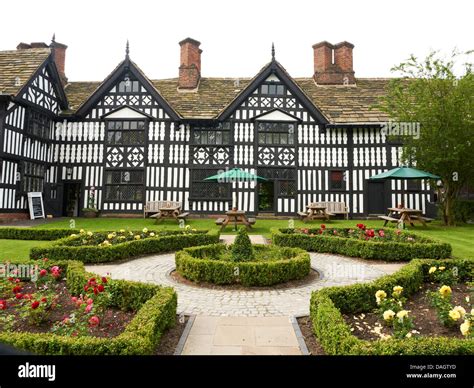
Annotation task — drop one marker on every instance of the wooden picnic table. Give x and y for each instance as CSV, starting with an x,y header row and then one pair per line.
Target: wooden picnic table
x,y
237,217
173,212
315,211
405,215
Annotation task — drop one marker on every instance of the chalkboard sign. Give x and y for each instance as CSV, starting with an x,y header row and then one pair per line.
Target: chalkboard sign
x,y
35,203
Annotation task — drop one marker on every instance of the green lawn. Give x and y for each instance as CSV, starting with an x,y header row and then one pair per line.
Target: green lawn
x,y
17,249
460,237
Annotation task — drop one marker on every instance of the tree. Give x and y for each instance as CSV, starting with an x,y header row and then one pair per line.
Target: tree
x,y
242,249
430,94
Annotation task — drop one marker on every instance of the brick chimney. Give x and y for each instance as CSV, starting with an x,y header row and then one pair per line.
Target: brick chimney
x,y
190,64
333,63
59,56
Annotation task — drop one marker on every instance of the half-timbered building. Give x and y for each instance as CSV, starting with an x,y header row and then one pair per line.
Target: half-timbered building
x,y
130,139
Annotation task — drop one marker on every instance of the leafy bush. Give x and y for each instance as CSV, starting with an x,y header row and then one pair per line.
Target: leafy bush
x,y
35,234
156,312
167,242
202,264
464,210
366,249
242,248
328,305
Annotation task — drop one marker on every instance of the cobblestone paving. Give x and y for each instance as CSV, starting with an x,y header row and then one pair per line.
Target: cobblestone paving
x,y
334,270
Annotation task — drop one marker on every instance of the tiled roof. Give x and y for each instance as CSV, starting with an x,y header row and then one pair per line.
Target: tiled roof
x,y
348,104
21,64
341,104
213,95
78,92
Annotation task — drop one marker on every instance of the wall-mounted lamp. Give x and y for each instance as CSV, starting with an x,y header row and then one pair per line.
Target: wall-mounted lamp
x,y
68,172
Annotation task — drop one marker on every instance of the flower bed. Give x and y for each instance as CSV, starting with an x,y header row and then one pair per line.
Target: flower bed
x,y
98,247
242,263
146,312
363,242
330,306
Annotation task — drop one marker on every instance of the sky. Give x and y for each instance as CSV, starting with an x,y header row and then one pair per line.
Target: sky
x,y
236,37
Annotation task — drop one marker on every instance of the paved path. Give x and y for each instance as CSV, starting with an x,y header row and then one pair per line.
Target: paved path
x,y
335,270
241,336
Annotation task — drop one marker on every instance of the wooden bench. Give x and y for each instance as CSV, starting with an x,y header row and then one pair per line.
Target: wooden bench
x,y
334,208
388,219
220,221
303,214
155,206
183,215
251,220
422,218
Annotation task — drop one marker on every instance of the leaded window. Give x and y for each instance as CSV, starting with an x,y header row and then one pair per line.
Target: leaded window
x,y
126,132
124,185
32,177
39,125
272,89
202,189
215,135
286,188
276,133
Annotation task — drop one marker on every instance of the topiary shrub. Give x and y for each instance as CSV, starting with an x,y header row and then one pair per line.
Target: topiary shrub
x,y
242,248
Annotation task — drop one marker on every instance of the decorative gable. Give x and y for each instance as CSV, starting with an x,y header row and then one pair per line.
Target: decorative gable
x,y
41,91
126,86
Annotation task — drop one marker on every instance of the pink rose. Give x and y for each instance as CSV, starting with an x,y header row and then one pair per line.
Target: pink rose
x,y
94,321
89,308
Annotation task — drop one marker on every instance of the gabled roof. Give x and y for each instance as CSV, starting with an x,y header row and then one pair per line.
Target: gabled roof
x,y
20,65
102,88
340,104
275,68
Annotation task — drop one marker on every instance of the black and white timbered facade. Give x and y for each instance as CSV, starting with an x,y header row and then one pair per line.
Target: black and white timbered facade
x,y
129,139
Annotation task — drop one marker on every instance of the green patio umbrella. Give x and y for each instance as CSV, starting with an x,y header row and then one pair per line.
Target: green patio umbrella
x,y
404,172
235,175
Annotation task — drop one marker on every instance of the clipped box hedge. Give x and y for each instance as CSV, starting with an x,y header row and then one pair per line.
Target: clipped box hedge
x,y
172,241
35,234
328,305
199,264
156,312
389,251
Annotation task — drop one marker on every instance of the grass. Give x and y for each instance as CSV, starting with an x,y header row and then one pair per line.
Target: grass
x,y
460,237
18,250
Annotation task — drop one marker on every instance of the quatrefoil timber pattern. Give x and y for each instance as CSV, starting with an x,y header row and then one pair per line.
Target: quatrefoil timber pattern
x,y
286,156
115,156
135,156
125,157
211,155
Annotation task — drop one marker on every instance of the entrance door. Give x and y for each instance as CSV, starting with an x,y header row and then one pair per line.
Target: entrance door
x,y
266,195
71,199
376,197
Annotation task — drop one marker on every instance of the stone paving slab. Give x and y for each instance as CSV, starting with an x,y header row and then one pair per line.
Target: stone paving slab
x,y
254,238
335,271
241,336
